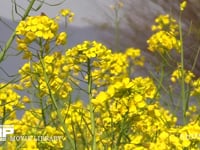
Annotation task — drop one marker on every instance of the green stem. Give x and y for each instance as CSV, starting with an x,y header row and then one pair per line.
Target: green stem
x,y
112,126
183,97
196,58
12,37
28,9
91,106
43,112
123,127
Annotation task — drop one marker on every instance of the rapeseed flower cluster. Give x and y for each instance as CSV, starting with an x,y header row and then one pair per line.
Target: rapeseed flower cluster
x,y
9,101
63,70
196,87
53,69
165,23
37,27
106,67
165,37
178,74
189,78
67,13
40,29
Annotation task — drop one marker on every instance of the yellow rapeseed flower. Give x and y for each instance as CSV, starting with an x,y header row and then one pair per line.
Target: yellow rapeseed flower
x,y
9,99
163,42
67,13
100,99
25,99
165,37
61,39
177,75
137,139
183,5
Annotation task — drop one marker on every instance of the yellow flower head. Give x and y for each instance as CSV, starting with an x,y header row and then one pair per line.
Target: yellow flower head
x,y
9,99
37,26
67,13
61,39
178,74
183,5
164,39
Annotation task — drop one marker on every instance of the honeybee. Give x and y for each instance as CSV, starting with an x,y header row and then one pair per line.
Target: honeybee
x,y
43,14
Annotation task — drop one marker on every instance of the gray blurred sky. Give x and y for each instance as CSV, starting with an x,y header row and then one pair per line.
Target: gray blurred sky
x,y
83,9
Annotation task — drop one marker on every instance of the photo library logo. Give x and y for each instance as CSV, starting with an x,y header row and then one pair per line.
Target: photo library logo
x,y
6,130
190,136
